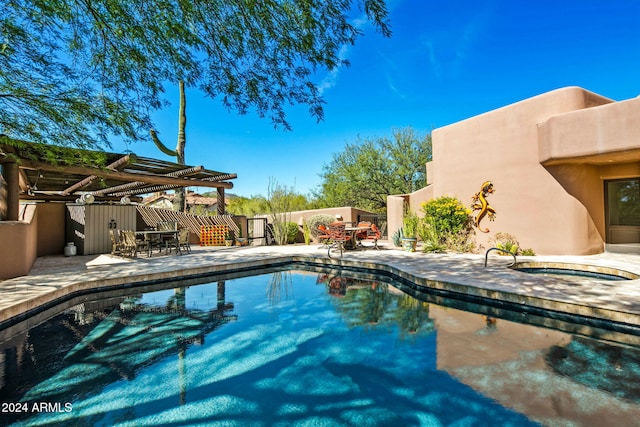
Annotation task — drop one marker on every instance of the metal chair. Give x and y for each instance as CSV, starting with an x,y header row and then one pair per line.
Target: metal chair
x,y
323,235
338,237
374,234
168,241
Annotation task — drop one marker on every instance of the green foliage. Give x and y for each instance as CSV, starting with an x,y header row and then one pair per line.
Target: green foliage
x,y
79,73
528,252
279,203
315,220
446,225
247,206
459,242
446,214
292,232
369,170
396,238
306,233
431,241
507,242
410,223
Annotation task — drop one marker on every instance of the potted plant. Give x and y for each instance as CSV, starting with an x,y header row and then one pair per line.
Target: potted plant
x,y
410,223
240,240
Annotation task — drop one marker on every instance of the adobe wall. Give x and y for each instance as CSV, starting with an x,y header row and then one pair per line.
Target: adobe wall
x,y
347,213
51,228
17,258
396,204
603,134
531,203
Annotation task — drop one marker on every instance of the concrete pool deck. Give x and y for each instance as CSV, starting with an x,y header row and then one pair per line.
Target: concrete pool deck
x,y
53,278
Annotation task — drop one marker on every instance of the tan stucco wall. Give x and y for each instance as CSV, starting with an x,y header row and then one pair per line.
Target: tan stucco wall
x,y
19,249
396,204
557,209
603,134
347,213
51,228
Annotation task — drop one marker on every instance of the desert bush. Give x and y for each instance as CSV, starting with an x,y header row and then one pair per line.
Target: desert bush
x,y
315,220
306,232
292,232
447,214
431,241
506,242
460,242
446,225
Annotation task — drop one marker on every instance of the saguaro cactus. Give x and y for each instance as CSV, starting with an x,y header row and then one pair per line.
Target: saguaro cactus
x,y
179,201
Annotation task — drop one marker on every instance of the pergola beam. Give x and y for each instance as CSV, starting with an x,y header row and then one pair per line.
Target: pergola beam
x,y
88,180
124,176
132,185
71,198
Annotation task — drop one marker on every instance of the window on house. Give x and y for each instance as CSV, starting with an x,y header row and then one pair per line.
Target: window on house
x,y
624,202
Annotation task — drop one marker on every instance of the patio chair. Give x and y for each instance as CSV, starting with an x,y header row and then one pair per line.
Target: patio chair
x,y
168,240
180,241
323,235
130,244
360,235
338,237
183,239
153,241
117,246
374,234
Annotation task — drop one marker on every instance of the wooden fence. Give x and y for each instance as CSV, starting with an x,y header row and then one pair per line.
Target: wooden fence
x,y
194,223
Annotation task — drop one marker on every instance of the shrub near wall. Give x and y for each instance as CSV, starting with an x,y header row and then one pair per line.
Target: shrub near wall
x,y
446,214
315,220
447,223
292,232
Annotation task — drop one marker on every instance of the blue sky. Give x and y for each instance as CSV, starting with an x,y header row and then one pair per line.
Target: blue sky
x,y
445,62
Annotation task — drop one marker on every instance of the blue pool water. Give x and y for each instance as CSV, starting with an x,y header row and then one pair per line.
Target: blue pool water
x,y
308,349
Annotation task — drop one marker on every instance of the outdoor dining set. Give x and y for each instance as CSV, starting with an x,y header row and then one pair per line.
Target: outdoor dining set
x,y
165,236
340,236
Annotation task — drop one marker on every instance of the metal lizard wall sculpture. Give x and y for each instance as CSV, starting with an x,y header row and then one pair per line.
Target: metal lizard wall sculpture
x,y
479,202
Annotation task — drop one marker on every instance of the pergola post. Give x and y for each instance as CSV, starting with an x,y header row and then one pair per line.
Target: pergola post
x,y
221,204
10,197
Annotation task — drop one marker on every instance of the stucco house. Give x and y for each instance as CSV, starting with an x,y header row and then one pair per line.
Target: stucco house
x,y
565,167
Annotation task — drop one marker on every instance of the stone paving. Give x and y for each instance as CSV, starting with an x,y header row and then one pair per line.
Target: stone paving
x,y
55,277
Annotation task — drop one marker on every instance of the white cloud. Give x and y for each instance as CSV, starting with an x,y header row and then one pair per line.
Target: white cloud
x,y
331,79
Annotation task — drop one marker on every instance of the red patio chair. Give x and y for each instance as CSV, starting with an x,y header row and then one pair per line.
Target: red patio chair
x,y
323,234
338,237
374,234
360,235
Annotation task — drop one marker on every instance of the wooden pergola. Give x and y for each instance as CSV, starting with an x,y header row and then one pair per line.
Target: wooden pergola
x,y
50,173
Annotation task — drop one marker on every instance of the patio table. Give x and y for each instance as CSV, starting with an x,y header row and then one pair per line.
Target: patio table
x,y
353,232
173,234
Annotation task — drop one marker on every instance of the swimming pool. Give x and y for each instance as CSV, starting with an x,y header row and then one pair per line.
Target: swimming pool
x,y
311,348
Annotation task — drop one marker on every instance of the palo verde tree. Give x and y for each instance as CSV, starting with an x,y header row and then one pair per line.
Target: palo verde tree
x,y
369,170
81,73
